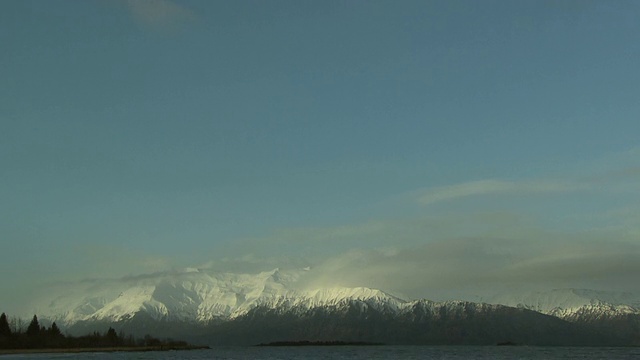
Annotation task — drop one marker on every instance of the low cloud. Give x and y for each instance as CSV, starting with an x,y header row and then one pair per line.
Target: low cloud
x,y
449,257
484,266
252,263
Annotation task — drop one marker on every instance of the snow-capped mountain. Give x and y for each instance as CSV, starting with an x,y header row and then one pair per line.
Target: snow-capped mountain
x,y
201,296
195,296
229,308
574,304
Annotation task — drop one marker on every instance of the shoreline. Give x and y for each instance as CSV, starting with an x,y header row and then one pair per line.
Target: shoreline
x,y
318,343
100,349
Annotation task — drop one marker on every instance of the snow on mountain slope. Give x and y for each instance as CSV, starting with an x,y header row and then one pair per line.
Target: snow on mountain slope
x,y
333,296
195,296
201,296
435,310
574,304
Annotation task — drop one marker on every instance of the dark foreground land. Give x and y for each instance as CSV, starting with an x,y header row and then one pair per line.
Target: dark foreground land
x,y
102,349
40,339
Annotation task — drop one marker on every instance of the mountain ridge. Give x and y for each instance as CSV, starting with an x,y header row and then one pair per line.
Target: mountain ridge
x,y
263,305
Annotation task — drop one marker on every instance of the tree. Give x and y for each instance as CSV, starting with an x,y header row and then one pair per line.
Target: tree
x,y
34,327
53,337
111,337
54,330
17,325
5,330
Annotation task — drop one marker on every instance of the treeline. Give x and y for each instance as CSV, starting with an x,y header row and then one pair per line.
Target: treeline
x,y
41,337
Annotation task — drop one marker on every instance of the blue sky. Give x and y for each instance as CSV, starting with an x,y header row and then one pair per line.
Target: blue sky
x,y
141,136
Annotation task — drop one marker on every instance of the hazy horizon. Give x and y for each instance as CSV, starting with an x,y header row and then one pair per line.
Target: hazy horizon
x,y
432,149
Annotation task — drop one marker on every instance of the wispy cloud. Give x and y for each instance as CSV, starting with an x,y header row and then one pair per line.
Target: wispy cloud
x,y
158,14
491,186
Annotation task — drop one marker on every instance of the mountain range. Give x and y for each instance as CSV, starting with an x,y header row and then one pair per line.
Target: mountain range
x,y
230,308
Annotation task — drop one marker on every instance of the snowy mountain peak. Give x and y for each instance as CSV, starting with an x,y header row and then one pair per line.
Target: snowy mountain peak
x,y
570,303
195,295
201,296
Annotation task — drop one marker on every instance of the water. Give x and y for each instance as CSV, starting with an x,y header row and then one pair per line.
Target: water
x,y
361,352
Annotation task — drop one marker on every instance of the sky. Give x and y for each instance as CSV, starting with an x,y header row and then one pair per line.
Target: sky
x,y
439,149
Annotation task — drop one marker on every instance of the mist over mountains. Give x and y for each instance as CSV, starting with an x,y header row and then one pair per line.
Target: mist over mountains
x,y
233,308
